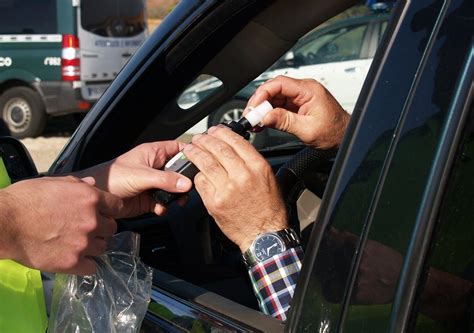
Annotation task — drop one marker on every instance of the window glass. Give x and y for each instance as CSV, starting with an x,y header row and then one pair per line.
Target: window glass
x,y
341,44
316,55
28,17
445,302
113,18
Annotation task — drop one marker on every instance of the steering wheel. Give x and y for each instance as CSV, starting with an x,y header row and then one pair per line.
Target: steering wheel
x,y
302,181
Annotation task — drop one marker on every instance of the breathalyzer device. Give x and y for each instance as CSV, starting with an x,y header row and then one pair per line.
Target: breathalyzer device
x,y
180,164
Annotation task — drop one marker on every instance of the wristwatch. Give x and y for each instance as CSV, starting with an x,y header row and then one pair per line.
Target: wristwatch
x,y
269,244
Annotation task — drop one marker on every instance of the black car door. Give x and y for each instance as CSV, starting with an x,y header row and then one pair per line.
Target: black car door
x,y
381,205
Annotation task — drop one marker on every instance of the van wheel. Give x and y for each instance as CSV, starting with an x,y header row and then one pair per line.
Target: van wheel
x,y
23,112
233,110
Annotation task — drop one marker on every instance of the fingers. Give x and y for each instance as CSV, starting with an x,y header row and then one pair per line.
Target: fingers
x,y
205,189
85,266
164,150
97,247
223,151
148,178
289,122
204,160
278,91
89,180
246,153
106,228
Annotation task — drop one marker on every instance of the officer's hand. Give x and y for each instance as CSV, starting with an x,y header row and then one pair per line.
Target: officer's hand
x,y
236,185
303,108
130,176
57,224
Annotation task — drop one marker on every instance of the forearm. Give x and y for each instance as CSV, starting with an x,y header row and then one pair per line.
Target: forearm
x,y
274,282
98,172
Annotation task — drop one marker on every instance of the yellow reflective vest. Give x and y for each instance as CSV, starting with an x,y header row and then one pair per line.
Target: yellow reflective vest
x,y
22,306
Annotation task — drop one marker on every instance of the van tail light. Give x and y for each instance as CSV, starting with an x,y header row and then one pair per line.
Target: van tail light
x,y
70,61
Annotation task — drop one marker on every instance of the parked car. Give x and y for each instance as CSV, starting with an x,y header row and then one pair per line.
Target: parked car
x,y
399,192
338,55
57,57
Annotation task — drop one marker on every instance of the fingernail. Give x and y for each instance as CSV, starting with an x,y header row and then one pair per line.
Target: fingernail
x,y
188,147
183,184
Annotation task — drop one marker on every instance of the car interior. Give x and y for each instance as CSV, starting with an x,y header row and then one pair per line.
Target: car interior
x,y
234,43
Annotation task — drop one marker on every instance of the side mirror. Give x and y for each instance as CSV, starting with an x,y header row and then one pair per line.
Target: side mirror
x,y
289,56
15,160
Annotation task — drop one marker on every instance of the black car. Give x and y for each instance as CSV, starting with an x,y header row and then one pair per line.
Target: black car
x,y
394,229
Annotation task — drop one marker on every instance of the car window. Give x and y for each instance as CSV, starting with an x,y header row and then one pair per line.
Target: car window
x,y
341,44
449,270
339,39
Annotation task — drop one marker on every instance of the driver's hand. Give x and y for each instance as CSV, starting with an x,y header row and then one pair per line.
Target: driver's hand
x,y
237,185
303,108
130,175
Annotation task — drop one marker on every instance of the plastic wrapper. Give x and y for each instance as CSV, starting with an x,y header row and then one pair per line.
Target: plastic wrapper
x,y
115,299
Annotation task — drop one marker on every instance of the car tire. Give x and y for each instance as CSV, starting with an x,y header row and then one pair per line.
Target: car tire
x,y
23,112
233,110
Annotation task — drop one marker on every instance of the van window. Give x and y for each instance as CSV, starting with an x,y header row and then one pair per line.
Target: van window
x,y
113,18
28,17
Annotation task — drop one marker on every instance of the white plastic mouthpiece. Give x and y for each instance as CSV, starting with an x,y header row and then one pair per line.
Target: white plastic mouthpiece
x,y
257,113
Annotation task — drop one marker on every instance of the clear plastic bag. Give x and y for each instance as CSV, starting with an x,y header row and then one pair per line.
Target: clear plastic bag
x,y
115,299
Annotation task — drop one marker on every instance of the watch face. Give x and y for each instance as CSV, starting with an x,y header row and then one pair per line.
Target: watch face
x,y
267,246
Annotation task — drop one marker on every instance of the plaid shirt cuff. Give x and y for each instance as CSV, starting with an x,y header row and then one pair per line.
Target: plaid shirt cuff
x,y
274,281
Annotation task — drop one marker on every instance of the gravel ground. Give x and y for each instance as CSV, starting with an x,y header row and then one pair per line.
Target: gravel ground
x,y
44,149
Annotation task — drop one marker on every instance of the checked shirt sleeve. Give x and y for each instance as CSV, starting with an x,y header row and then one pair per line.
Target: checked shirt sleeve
x,y
274,281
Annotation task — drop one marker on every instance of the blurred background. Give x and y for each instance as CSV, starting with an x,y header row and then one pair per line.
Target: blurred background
x,y
46,147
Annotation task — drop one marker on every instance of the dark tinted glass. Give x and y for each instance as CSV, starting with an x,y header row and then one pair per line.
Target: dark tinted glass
x,y
356,269
446,299
113,18
28,17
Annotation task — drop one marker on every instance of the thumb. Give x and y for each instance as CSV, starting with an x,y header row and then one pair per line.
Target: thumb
x,y
286,121
149,178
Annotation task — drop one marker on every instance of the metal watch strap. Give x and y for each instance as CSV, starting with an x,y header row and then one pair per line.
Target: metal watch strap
x,y
288,236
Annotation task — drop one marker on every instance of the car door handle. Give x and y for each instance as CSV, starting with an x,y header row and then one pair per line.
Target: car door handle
x,y
352,70
126,55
